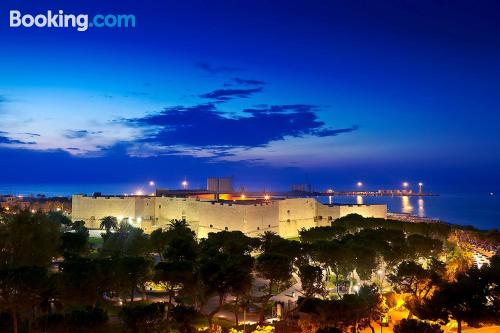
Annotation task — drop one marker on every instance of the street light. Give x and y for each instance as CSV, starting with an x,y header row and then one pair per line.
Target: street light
x,y
267,197
359,184
420,185
405,184
152,183
184,184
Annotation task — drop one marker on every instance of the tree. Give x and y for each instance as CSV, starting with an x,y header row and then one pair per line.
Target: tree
x,y
329,330
371,305
75,243
78,225
336,257
108,223
414,325
312,235
132,272
365,259
176,273
21,289
91,319
60,218
277,268
225,266
127,241
77,321
28,239
423,247
311,279
144,318
83,280
417,281
352,311
184,317
469,299
274,264
174,277
181,244
159,240
458,260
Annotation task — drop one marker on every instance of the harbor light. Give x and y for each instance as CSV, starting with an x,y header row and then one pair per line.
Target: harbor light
x,y
405,184
359,184
152,183
329,190
184,184
420,185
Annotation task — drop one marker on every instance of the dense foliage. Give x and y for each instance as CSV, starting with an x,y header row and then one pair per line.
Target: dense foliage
x,y
53,279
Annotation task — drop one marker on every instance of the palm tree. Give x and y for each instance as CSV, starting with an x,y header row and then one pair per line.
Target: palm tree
x,y
178,225
108,223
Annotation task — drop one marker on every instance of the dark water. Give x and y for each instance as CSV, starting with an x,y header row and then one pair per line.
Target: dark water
x,y
481,210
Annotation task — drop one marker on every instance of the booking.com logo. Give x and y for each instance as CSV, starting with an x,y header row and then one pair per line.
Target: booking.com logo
x,y
61,20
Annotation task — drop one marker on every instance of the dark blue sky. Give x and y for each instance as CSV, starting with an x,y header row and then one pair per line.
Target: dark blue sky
x,y
272,92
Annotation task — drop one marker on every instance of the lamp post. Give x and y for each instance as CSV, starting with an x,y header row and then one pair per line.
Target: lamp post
x,y
184,184
420,186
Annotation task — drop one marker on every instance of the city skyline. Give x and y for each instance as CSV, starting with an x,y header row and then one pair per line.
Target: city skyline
x,y
322,93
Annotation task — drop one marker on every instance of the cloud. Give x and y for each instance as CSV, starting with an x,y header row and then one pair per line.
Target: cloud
x,y
236,81
204,126
248,82
5,139
79,134
32,134
223,95
212,70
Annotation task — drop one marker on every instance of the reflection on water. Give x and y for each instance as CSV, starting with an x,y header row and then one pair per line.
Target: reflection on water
x,y
480,210
421,209
330,199
406,205
359,199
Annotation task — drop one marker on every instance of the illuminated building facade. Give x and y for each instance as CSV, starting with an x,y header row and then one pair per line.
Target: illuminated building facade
x,y
252,217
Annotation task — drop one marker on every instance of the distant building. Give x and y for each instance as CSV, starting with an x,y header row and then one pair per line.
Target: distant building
x,y
252,217
220,185
32,203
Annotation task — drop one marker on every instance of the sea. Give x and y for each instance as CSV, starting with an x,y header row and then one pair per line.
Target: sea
x,y
481,210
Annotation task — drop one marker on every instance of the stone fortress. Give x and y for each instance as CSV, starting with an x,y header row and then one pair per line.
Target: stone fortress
x,y
204,215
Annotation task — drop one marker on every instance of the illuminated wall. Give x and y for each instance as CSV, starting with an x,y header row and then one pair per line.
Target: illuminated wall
x,y
285,217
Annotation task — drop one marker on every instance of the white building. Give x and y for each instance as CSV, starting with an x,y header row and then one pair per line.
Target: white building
x,y
285,217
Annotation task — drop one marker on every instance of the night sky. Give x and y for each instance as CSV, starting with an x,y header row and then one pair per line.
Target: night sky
x,y
271,92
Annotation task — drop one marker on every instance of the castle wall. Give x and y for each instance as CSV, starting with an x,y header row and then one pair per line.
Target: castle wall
x,y
285,217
